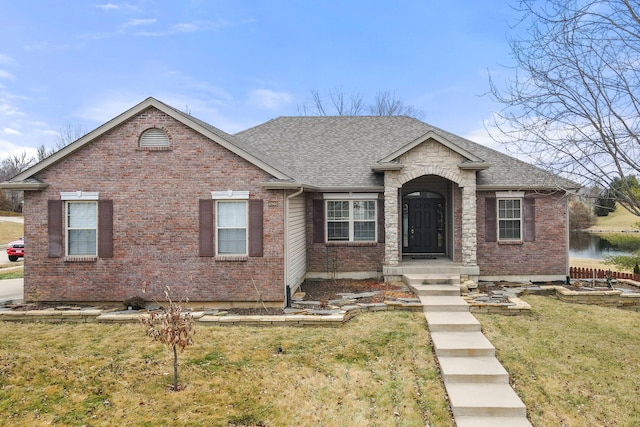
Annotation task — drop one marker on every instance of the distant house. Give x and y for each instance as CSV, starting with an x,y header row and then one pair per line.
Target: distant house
x,y
156,195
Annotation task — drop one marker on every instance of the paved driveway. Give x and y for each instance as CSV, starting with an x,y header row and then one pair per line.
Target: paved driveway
x,y
11,289
12,219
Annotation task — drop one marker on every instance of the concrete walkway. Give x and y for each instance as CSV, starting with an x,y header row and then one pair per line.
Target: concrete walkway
x,y
476,382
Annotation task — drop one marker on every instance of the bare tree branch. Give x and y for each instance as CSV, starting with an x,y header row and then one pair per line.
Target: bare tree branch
x,y
572,106
385,103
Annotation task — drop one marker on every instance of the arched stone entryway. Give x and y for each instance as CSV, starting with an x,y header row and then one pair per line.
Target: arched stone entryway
x,y
431,162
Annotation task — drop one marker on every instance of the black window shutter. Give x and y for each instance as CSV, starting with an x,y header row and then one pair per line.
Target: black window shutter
x,y
490,229
206,218
54,224
256,232
318,221
529,212
381,221
105,228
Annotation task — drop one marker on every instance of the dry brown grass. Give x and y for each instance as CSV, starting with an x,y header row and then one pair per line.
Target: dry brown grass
x,y
572,365
618,220
376,370
10,231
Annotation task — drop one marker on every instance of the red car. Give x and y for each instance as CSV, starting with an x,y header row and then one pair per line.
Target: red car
x,y
15,249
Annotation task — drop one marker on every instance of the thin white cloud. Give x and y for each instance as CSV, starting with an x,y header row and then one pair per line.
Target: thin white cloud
x,y
6,75
139,22
10,110
186,27
268,99
10,131
8,149
4,59
108,6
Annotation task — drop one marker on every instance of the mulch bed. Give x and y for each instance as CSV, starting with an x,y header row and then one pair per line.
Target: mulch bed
x,y
332,289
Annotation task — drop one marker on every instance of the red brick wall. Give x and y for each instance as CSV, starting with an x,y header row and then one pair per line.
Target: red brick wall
x,y
155,201
340,257
547,255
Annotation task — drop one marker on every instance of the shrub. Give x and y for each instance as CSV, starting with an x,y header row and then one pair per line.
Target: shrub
x,y
604,205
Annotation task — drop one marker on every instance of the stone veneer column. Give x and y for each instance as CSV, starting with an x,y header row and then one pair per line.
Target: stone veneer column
x,y
469,230
391,251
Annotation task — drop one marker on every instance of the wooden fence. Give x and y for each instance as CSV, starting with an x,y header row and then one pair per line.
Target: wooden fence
x,y
593,273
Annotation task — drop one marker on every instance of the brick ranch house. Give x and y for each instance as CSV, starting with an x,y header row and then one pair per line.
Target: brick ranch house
x,y
157,197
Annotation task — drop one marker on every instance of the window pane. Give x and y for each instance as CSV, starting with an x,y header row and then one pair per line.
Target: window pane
x,y
232,241
82,242
508,209
509,229
364,231
232,214
82,215
337,211
338,231
364,210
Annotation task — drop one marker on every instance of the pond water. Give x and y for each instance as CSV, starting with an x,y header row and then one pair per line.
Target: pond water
x,y
595,246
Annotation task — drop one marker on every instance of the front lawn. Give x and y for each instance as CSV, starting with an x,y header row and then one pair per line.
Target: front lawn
x,y
572,365
376,370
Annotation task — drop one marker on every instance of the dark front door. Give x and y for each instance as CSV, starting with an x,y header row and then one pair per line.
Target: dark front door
x,y
424,226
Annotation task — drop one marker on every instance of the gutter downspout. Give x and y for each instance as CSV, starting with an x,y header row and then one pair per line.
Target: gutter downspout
x,y
287,289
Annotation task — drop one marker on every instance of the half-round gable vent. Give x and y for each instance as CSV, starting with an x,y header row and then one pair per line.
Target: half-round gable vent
x,y
154,138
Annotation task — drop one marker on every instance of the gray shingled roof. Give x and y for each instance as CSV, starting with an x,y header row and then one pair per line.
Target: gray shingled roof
x,y
330,152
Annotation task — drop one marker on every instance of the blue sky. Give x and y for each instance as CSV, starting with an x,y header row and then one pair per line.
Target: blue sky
x,y
237,63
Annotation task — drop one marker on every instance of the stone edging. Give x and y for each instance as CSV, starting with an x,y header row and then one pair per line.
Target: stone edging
x,y
95,315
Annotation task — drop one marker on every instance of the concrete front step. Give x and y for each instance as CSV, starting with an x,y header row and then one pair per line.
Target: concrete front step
x,y
492,422
443,303
473,370
431,279
484,400
462,344
447,321
437,290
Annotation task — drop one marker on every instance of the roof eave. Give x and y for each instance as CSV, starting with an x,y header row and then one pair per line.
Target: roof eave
x,y
436,137
382,167
477,166
23,186
523,188
289,185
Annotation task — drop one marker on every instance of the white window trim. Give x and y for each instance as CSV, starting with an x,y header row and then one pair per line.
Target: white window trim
x,y
246,225
351,219
230,195
67,229
510,194
79,195
516,195
350,196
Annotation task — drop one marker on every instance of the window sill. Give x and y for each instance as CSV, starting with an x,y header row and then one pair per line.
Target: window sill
x,y
510,242
80,259
231,258
351,243
154,149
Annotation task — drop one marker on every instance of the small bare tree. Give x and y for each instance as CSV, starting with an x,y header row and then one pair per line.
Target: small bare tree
x,y
385,103
67,134
173,327
10,167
